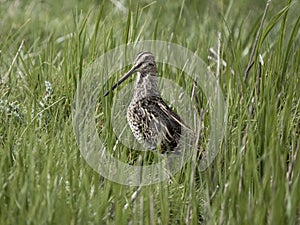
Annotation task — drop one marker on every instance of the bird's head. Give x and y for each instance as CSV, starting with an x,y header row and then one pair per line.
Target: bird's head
x,y
144,63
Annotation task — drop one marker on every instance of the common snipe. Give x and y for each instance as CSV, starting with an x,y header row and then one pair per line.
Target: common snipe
x,y
151,120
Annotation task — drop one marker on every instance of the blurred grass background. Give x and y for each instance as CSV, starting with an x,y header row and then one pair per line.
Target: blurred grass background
x,y
44,179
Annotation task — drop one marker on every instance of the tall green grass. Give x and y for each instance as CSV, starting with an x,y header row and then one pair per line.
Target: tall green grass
x,y
45,180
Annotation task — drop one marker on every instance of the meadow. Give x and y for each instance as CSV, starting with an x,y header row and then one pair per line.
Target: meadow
x,y
45,50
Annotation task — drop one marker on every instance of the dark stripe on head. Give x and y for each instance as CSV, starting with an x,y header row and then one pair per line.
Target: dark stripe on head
x,y
140,54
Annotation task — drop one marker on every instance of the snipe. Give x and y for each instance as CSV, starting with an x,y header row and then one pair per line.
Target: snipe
x,y
151,120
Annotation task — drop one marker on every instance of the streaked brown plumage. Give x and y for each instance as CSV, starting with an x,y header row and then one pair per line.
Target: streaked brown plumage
x,y
151,120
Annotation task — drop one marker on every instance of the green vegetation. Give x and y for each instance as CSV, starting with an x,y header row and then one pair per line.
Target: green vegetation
x,y
255,178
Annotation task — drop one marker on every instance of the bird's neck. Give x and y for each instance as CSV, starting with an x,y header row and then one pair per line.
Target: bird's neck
x,y
146,86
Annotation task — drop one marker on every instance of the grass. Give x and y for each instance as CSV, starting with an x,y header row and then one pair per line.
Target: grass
x,y
45,180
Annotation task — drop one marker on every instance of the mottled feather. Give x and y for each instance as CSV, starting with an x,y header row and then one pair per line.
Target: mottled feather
x,y
154,123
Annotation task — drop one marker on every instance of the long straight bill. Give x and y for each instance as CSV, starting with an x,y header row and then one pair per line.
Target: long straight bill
x,y
128,74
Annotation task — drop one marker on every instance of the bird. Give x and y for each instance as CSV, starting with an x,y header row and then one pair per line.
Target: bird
x,y
152,122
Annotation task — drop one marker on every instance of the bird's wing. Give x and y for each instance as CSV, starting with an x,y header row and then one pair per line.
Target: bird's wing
x,y
168,112
163,123
159,124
